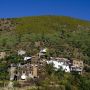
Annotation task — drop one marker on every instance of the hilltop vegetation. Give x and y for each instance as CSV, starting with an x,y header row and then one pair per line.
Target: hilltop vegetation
x,y
64,36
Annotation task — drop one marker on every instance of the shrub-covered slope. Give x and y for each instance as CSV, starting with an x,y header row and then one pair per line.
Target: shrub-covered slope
x,y
64,36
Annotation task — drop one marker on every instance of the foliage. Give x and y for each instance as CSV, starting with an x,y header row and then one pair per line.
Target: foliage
x,y
63,36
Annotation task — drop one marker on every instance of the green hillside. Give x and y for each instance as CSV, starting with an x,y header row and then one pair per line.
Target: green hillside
x,y
64,36
50,24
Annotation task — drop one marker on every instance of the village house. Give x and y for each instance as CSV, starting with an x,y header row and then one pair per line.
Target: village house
x,y
42,52
77,66
11,72
2,55
28,71
60,63
67,65
34,68
77,63
27,58
34,71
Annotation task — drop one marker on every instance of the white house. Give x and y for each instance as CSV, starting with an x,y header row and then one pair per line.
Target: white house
x,y
42,52
27,58
60,64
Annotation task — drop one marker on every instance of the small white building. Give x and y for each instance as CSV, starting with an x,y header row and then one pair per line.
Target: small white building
x,y
42,52
27,58
60,64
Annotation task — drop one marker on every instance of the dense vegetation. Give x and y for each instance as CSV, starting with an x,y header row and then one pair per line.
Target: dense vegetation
x,y
59,80
63,36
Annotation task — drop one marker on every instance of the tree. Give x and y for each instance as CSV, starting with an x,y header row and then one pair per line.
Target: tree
x,y
49,69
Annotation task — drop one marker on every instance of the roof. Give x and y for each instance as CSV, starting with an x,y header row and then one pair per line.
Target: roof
x,y
43,50
57,65
27,58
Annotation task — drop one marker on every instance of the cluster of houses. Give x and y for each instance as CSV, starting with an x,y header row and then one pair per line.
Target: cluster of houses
x,y
33,65
67,65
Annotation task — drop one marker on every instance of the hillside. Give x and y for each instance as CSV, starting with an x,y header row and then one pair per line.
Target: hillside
x,y
64,36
